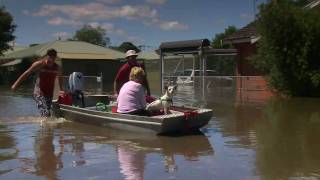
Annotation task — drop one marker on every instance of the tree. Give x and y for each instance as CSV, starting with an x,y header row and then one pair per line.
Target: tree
x,y
6,30
216,42
288,49
93,35
125,46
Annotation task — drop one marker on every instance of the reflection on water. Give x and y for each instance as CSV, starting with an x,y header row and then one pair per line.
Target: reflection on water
x,y
47,161
290,139
275,139
132,149
7,147
131,162
14,107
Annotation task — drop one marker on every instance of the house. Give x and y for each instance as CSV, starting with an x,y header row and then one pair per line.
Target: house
x,y
13,49
90,59
245,41
7,67
250,83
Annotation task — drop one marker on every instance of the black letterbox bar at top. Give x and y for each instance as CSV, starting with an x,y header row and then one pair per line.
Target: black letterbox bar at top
x,y
182,46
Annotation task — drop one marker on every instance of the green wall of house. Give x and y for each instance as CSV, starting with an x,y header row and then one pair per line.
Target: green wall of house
x,y
92,67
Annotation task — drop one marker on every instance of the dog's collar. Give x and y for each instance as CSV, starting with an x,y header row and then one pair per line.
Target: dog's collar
x,y
169,100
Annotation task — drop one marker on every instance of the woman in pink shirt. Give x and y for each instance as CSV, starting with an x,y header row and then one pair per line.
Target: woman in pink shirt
x,y
131,98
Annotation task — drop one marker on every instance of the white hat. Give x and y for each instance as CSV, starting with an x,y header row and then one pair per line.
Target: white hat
x,y
131,53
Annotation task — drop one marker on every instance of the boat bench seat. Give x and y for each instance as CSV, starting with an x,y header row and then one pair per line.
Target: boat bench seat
x,y
173,114
92,108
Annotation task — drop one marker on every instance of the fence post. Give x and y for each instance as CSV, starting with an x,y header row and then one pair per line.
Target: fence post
x,y
101,83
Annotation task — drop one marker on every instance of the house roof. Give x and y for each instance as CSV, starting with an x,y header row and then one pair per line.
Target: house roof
x,y
14,49
11,63
68,50
246,34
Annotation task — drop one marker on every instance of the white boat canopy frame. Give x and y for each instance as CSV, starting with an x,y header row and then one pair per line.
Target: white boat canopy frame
x,y
200,47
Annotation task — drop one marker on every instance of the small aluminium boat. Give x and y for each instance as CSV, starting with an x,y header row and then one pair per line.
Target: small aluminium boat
x,y
180,120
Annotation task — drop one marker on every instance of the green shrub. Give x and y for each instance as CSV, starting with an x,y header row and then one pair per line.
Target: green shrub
x,y
289,49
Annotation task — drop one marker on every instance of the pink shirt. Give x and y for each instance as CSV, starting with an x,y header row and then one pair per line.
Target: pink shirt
x,y
131,97
131,162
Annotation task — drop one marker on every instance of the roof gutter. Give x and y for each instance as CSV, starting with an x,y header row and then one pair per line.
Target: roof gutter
x,y
251,40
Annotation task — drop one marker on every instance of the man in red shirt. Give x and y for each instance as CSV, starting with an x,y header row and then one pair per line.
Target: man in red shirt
x,y
47,71
124,72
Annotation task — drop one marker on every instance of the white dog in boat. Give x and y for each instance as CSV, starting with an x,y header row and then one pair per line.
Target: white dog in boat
x,y
164,102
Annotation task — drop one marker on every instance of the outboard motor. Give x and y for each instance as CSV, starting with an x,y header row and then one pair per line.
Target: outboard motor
x,y
76,81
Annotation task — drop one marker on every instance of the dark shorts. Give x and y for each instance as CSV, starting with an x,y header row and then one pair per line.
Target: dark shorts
x,y
43,104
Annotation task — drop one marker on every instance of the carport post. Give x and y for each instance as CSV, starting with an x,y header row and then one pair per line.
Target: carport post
x,y
101,84
202,70
161,70
193,64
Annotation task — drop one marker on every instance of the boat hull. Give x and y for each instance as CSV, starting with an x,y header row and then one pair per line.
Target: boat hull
x,y
181,119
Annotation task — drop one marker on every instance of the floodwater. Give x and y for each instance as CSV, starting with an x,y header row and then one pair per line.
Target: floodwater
x,y
247,139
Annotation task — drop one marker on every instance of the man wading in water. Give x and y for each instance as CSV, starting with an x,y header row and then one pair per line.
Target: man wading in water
x,y
47,71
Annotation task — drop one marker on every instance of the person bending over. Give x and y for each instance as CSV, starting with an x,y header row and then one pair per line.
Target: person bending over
x,y
131,98
47,71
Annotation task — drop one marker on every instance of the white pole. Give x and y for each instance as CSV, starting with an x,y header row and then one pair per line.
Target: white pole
x,y
193,63
161,71
183,63
203,59
101,83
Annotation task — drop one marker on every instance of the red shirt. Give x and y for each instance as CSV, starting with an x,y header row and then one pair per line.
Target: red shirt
x,y
46,79
124,73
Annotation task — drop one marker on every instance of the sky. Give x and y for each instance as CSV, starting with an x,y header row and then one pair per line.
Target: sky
x,y
143,22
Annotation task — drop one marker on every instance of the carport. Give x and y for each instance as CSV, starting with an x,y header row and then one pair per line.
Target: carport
x,y
199,49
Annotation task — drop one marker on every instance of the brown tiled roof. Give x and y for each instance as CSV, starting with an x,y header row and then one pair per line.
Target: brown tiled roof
x,y
249,31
